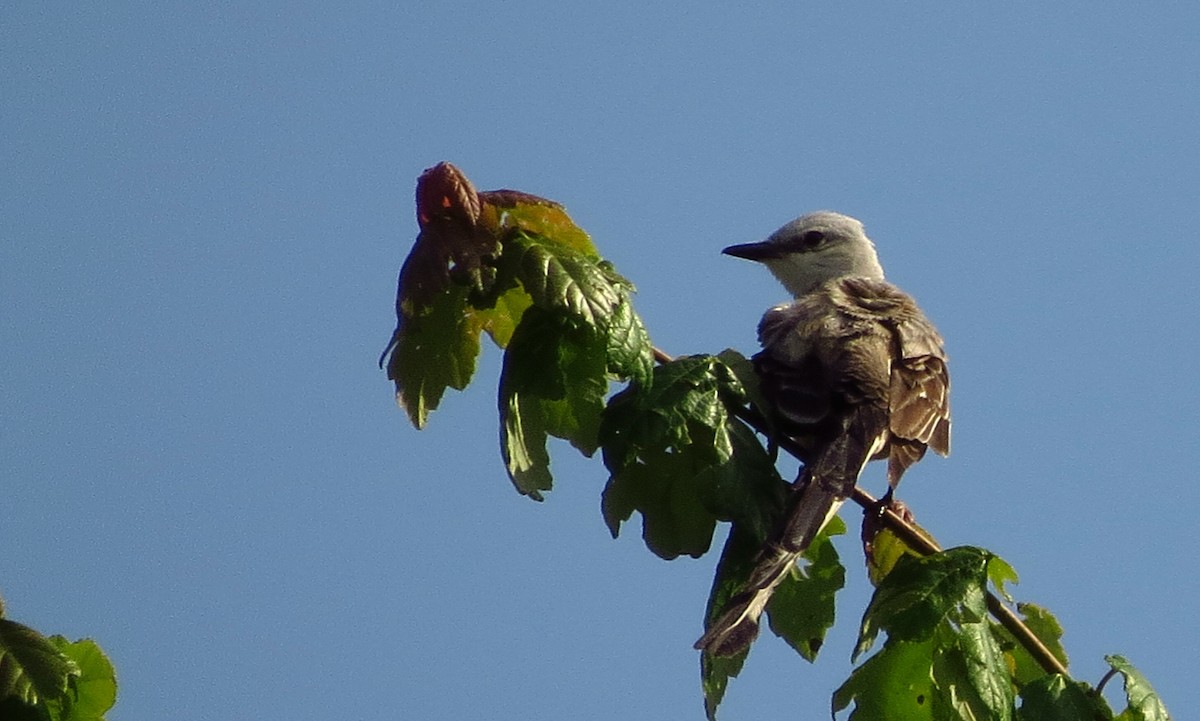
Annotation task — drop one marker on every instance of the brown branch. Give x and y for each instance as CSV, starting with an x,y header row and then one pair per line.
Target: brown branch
x,y
915,540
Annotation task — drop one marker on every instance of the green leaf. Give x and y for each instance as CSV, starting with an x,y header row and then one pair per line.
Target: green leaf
x,y
431,351
96,687
32,669
628,348
553,382
1000,573
886,549
558,277
921,593
674,455
801,611
940,600
895,683
743,370
1144,702
674,521
745,488
1054,697
683,399
969,674
1024,667
502,317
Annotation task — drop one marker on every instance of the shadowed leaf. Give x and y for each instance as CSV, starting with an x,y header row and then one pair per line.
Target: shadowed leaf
x,y
553,383
431,351
801,611
1054,697
32,670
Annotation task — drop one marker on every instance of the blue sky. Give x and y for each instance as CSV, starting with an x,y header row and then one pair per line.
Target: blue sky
x,y
203,210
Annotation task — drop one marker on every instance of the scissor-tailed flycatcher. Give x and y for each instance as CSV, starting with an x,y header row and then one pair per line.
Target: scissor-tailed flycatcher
x,y
853,371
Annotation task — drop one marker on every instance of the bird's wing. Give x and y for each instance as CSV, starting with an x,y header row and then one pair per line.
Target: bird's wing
x,y
919,383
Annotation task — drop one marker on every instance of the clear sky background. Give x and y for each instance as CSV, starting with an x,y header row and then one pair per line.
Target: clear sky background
x,y
203,211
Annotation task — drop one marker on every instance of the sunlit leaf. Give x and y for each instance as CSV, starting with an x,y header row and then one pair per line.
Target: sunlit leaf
x,y
921,593
502,317
970,678
1001,573
505,211
1144,702
895,683
1023,666
95,691
560,278
629,352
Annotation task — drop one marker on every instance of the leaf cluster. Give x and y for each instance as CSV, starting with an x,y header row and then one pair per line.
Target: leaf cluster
x,y
944,658
516,266
52,679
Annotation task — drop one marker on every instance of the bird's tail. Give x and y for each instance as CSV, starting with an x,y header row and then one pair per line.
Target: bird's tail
x,y
813,506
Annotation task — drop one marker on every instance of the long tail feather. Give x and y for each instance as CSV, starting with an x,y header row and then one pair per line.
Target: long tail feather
x,y
737,627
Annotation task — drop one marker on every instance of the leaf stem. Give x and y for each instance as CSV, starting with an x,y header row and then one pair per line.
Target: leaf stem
x,y
916,541
1104,681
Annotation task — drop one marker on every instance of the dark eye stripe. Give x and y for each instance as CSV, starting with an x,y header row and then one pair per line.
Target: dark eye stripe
x,y
810,240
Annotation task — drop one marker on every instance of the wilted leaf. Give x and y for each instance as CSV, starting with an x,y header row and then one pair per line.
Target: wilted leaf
x,y
451,246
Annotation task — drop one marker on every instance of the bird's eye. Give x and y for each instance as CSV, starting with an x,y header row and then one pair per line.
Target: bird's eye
x,y
812,239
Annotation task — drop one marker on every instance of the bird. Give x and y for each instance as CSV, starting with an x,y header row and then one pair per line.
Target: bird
x,y
852,371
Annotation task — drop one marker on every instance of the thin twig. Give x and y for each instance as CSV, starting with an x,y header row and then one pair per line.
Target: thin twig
x,y
916,540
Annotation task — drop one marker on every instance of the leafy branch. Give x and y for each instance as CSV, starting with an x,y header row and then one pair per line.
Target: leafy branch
x,y
681,445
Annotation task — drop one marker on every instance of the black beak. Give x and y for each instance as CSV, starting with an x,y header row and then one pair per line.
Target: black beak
x,y
753,251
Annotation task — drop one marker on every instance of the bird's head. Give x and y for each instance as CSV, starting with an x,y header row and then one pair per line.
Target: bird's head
x,y
812,249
